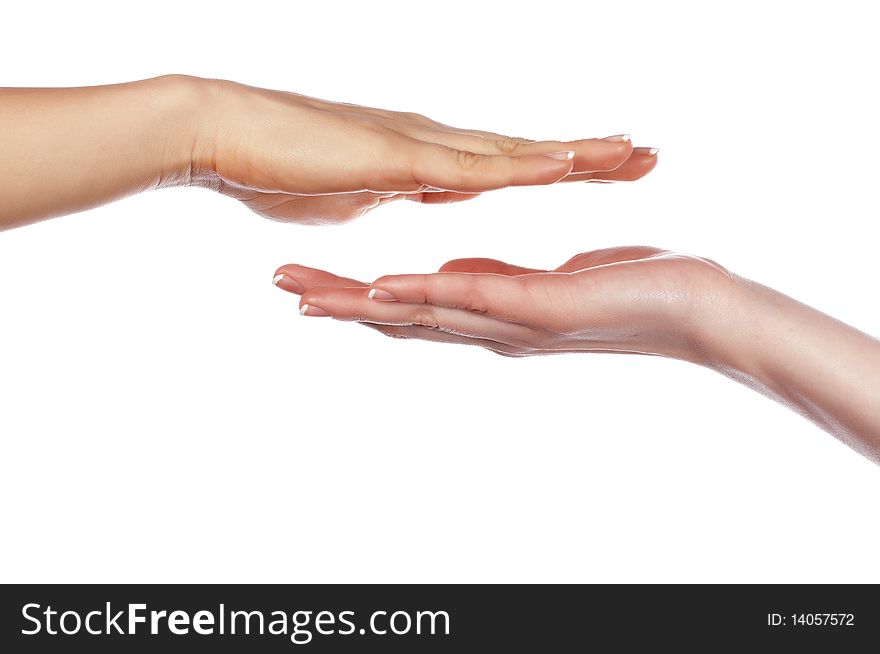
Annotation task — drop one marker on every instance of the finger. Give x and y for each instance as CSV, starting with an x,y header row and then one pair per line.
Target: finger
x,y
440,197
482,132
437,166
590,154
401,121
499,296
435,336
297,279
354,304
480,265
595,258
428,197
639,164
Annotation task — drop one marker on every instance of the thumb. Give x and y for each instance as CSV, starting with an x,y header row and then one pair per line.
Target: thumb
x,y
607,256
482,265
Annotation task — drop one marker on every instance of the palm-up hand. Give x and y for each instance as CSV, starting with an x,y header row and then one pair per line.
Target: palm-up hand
x,y
293,158
628,299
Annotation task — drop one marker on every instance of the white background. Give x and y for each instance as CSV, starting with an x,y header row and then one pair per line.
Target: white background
x,y
166,415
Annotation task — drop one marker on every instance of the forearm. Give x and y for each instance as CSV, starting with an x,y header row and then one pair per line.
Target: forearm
x,y
816,365
66,150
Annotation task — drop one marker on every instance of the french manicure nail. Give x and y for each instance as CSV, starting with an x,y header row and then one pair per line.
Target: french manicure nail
x,y
310,310
617,138
287,283
650,151
380,295
564,155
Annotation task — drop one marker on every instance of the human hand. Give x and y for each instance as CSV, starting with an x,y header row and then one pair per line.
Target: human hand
x,y
637,300
298,159
627,299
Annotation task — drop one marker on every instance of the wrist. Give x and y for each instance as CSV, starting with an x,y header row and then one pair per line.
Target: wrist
x,y
730,335
181,105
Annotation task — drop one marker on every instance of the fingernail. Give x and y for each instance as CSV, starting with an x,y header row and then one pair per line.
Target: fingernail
x,y
380,295
650,151
309,310
287,283
617,138
564,155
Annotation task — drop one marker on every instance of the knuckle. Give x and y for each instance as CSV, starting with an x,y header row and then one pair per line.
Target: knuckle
x,y
425,318
467,160
432,288
508,146
415,117
476,303
467,294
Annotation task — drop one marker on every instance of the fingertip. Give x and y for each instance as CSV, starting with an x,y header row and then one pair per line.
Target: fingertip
x,y
312,303
380,282
599,155
399,288
647,151
281,270
344,303
287,282
562,155
314,311
641,162
294,277
647,159
294,269
540,170
615,154
381,295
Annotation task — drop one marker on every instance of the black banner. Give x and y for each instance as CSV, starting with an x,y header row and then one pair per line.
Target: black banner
x,y
435,618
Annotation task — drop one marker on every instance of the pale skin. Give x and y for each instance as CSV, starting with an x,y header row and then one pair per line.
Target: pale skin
x,y
298,159
638,300
287,157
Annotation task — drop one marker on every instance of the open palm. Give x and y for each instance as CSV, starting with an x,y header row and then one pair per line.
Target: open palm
x,y
629,299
